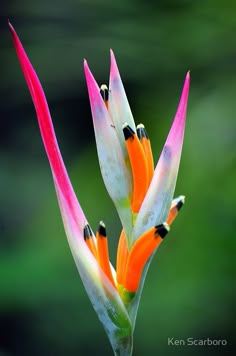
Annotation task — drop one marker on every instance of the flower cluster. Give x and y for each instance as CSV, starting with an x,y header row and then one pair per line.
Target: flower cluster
x,y
143,197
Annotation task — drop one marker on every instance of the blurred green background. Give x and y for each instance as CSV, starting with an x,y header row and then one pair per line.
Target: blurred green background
x,y
190,288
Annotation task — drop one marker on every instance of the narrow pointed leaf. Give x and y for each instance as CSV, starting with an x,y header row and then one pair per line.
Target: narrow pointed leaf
x,y
156,205
114,170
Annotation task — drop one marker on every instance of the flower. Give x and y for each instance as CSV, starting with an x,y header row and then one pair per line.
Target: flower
x,y
142,196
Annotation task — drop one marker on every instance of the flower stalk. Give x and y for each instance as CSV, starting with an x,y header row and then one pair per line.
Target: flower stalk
x,y
142,196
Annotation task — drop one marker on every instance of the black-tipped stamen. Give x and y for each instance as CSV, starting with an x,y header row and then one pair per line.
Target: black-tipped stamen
x,y
88,238
146,145
104,92
102,229
180,203
103,252
175,208
162,230
139,167
141,132
128,132
86,232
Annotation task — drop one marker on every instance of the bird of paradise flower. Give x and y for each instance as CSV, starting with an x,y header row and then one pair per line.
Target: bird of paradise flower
x,y
142,196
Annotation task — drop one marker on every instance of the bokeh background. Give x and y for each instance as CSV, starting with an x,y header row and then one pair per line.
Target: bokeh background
x,y
190,288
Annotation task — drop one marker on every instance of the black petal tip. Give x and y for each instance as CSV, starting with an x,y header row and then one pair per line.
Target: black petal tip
x,y
141,132
128,132
162,230
87,232
180,203
102,229
104,92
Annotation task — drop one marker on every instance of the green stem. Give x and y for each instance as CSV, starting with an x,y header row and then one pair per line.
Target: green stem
x,y
124,347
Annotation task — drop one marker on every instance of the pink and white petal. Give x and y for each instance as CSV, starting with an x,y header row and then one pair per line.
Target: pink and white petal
x,y
116,175
156,205
118,103
104,297
59,172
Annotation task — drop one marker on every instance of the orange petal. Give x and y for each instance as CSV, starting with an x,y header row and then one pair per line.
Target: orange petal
x,y
139,167
103,252
140,253
146,144
89,239
121,260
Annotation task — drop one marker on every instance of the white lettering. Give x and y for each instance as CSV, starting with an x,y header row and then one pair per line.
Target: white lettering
x,y
175,342
190,341
170,341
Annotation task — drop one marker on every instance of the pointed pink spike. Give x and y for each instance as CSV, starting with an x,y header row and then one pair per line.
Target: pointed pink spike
x,y
60,175
156,205
176,134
